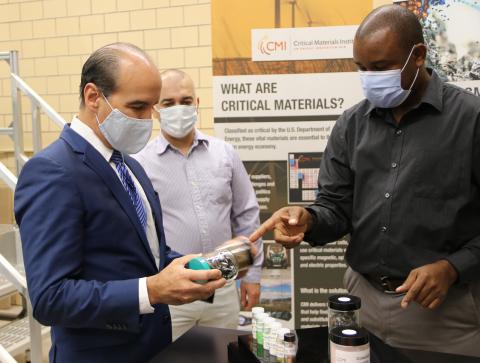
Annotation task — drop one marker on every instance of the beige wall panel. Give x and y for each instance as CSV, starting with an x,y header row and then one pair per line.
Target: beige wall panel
x,y
77,7
125,5
157,39
44,28
54,8
99,40
170,17
171,58
21,30
206,78
117,22
148,4
198,57
46,66
142,19
31,10
92,24
135,37
104,6
56,46
67,26
9,12
197,14
184,37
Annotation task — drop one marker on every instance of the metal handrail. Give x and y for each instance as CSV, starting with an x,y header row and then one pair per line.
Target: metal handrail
x,y
8,177
5,357
38,101
16,132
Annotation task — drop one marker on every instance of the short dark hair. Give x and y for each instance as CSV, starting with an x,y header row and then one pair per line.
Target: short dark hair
x,y
399,20
101,68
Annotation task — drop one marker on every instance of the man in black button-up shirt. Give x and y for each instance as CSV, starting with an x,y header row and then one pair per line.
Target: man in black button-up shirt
x,y
401,175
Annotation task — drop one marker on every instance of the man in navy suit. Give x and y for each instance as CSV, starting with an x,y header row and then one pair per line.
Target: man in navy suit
x,y
98,268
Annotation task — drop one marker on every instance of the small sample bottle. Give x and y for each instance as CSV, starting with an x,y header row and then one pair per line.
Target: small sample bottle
x,y
279,346
259,332
349,345
267,327
290,347
272,338
343,310
255,311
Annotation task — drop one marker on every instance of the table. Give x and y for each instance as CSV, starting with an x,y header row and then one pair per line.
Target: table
x,y
213,345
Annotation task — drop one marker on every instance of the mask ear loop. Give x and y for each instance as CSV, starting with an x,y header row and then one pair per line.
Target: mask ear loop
x,y
105,98
406,62
108,103
418,69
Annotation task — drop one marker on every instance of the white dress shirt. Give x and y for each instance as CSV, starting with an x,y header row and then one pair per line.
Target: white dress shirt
x,y
87,133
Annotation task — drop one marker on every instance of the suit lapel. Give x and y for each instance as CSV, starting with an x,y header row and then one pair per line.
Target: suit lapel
x,y
97,163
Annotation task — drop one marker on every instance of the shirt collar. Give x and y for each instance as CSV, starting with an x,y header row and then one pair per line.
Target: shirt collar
x,y
87,133
163,144
433,94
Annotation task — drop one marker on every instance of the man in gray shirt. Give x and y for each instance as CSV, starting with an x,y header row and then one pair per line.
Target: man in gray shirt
x,y
207,198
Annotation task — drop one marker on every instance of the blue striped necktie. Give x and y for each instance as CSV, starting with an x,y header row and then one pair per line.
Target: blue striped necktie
x,y
129,186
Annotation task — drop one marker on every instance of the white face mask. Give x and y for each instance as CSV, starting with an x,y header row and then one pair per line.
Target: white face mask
x,y
384,88
178,121
125,134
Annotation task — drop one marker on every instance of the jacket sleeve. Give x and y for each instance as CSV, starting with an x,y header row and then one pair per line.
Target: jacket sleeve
x,y
49,211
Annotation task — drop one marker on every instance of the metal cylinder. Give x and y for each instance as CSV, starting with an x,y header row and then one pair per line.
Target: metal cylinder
x,y
231,258
241,251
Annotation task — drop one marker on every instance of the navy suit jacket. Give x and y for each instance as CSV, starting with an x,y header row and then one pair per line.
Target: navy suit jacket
x,y
84,250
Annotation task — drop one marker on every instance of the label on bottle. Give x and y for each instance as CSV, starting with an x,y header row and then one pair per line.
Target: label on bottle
x,y
290,350
254,328
360,356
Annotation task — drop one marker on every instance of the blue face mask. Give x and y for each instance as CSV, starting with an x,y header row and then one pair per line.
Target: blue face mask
x,y
124,133
384,88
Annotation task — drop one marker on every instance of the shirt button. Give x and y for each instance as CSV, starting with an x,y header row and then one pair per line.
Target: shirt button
x,y
398,132
383,229
394,165
387,195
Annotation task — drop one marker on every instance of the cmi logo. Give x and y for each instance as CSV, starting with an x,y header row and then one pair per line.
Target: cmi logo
x,y
268,46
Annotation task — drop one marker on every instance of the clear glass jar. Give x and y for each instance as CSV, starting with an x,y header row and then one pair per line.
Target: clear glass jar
x,y
343,310
349,345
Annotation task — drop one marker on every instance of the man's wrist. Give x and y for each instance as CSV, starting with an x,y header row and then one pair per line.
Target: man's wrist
x,y
450,270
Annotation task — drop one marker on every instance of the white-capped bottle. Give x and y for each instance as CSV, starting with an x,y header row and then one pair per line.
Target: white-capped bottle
x,y
260,327
255,311
275,326
267,326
